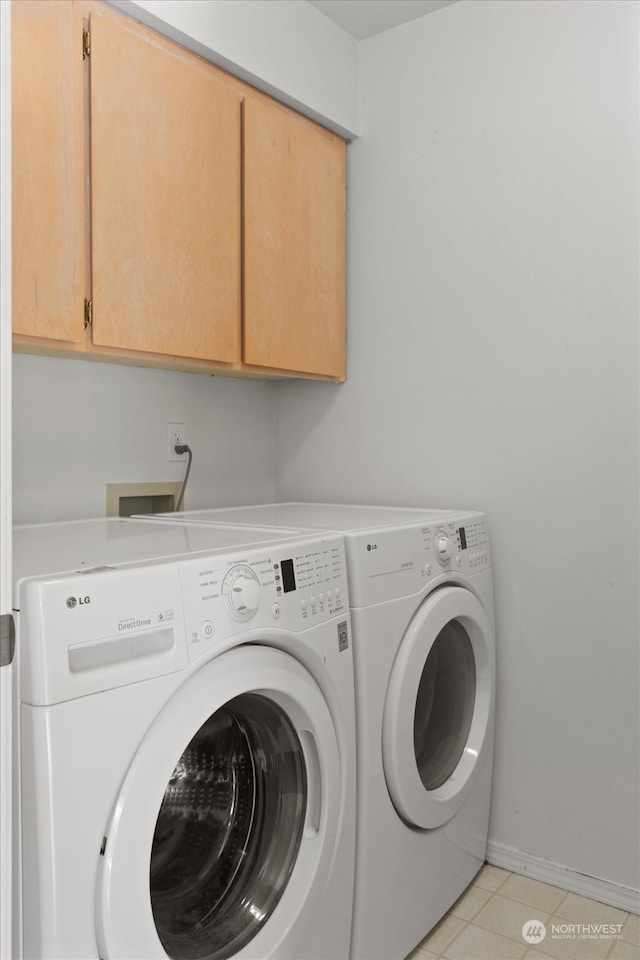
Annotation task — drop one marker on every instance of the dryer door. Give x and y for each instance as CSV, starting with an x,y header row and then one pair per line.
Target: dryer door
x,y
221,840
438,709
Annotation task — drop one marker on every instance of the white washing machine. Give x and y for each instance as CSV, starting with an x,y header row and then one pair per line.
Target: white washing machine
x,y
422,612
185,770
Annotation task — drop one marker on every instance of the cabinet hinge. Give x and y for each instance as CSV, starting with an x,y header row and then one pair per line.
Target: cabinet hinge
x,y
88,313
86,44
7,639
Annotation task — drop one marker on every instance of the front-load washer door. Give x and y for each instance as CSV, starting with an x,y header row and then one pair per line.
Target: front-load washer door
x,y
438,708
222,837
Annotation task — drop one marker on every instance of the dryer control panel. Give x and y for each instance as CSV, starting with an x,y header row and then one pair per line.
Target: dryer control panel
x,y
463,545
292,586
386,564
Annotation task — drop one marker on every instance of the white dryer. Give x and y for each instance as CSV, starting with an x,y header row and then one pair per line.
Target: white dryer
x,y
422,612
186,756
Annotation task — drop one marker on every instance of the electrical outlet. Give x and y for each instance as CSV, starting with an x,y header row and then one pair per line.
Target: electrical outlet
x,y
177,435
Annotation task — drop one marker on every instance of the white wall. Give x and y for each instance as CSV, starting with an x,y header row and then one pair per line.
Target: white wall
x,y
285,47
79,425
493,363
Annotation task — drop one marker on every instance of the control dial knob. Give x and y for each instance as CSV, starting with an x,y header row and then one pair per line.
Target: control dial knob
x,y
241,589
443,548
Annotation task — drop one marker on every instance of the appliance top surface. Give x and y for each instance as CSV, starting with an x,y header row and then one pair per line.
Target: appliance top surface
x,y
342,518
53,548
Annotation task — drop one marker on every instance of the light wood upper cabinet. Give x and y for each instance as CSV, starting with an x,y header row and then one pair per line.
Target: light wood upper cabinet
x,y
165,198
204,222
294,242
48,230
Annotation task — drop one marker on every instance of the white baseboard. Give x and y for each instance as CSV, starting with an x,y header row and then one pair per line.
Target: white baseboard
x,y
525,864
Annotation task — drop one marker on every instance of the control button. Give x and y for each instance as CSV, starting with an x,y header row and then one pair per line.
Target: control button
x,y
338,593
275,610
442,545
245,596
330,596
304,604
313,603
242,591
321,598
207,629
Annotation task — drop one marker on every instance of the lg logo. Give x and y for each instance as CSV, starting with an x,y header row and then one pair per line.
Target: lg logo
x,y
77,601
372,546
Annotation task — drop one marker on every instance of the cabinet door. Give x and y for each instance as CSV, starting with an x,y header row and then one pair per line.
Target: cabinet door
x,y
48,245
165,197
294,242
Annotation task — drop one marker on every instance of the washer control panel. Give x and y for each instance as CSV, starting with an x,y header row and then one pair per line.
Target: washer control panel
x,y
293,586
397,562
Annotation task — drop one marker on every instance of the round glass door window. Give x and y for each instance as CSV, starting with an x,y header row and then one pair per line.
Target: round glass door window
x,y
228,831
444,705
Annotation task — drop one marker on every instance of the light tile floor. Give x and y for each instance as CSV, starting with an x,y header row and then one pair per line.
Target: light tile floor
x,y
487,923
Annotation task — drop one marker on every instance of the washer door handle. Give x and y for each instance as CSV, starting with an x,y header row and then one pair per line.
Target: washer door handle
x,y
314,783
